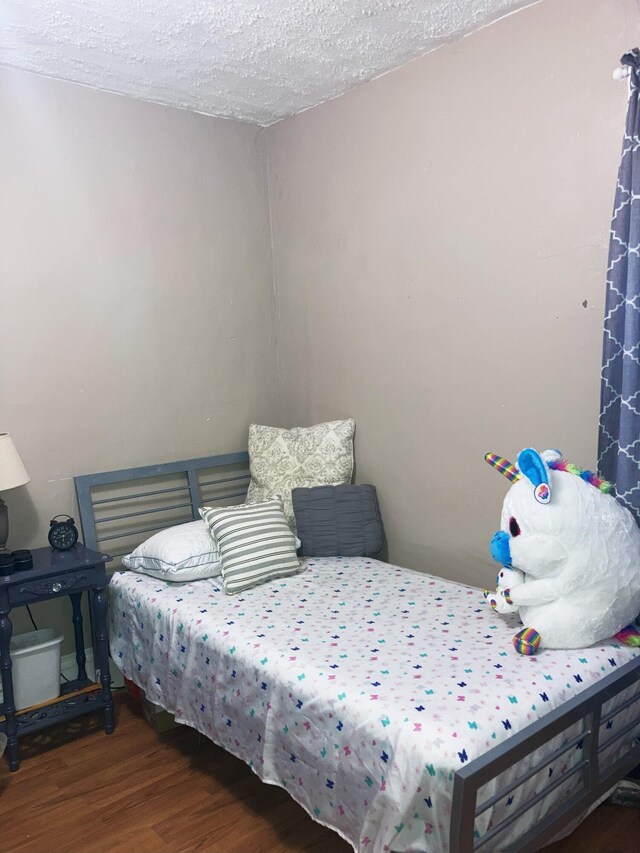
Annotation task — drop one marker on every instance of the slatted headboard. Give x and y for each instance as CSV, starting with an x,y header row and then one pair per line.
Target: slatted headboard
x,y
119,509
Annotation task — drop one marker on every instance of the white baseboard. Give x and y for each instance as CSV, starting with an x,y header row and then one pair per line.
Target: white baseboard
x,y
69,668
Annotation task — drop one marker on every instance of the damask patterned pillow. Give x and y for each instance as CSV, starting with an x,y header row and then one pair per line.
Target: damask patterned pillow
x,y
285,459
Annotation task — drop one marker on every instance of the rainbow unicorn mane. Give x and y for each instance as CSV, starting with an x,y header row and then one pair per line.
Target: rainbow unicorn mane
x,y
584,474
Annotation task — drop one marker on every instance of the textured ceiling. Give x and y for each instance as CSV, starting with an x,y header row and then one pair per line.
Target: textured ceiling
x,y
256,60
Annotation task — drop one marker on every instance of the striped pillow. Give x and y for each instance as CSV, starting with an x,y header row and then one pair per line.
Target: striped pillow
x,y
255,542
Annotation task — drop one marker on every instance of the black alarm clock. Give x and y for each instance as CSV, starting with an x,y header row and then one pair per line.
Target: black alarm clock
x,y
63,535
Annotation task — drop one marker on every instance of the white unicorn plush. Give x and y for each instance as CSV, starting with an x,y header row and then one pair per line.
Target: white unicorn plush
x,y
570,554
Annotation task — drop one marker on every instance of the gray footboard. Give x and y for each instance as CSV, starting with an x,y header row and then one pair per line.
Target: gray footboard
x,y
595,776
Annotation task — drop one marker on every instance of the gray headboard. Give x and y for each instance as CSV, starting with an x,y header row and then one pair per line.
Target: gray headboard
x,y
120,509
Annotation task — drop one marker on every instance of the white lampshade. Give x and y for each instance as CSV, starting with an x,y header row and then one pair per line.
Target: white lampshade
x,y
12,471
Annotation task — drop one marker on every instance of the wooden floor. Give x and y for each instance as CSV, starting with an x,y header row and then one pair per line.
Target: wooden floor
x,y
79,791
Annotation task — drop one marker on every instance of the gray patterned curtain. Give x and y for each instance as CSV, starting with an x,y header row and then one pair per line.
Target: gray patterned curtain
x,y
619,437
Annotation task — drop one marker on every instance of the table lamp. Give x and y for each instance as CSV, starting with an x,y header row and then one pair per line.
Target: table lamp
x,y
12,474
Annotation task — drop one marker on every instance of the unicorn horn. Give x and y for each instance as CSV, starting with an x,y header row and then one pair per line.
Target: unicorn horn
x,y
506,468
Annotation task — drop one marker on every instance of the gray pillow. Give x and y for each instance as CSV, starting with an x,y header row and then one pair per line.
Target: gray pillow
x,y
338,521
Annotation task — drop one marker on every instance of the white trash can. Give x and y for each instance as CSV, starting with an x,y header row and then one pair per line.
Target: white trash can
x,y
35,659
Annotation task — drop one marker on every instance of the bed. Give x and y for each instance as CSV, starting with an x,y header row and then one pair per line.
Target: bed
x,y
389,703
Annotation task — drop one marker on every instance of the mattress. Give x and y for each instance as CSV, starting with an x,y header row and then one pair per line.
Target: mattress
x,y
358,686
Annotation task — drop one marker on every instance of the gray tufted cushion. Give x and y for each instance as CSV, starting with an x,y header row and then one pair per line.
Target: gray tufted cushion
x,y
339,521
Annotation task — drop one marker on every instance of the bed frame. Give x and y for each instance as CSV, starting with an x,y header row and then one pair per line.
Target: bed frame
x,y
118,507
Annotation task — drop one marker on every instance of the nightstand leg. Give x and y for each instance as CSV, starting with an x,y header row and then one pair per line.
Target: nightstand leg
x,y
100,602
11,728
81,660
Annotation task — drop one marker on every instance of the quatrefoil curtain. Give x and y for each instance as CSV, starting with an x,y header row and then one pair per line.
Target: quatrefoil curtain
x,y
619,436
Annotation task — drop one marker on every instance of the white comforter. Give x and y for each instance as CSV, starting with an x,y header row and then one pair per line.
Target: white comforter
x,y
358,686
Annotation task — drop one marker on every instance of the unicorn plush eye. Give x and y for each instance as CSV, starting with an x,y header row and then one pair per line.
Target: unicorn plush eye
x,y
514,527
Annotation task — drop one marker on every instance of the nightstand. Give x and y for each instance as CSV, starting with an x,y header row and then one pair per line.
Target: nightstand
x,y
54,574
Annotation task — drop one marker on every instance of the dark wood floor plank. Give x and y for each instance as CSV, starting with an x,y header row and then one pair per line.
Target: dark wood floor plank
x,y
139,839
135,792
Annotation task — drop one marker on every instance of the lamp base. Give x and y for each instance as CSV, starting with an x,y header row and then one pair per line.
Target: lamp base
x,y
4,526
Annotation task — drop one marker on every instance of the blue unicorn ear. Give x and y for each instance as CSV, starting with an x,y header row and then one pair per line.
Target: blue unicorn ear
x,y
534,468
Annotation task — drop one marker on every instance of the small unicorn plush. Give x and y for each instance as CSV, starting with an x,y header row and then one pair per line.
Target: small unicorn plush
x,y
570,554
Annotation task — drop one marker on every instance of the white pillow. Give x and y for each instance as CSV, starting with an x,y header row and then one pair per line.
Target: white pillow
x,y
186,552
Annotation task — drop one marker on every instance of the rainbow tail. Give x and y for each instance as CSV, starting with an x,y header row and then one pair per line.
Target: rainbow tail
x,y
629,636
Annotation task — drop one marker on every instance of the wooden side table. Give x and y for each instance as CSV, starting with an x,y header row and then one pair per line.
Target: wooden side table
x,y
54,574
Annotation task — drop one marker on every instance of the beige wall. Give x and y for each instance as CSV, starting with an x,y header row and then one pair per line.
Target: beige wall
x,y
436,233
136,289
